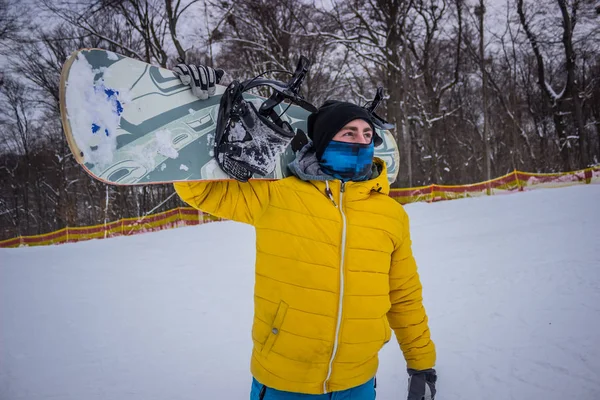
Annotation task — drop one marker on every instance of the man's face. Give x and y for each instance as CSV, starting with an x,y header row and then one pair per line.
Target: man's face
x,y
356,131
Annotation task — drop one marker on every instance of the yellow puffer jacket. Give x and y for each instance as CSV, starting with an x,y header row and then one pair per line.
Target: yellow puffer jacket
x,y
334,270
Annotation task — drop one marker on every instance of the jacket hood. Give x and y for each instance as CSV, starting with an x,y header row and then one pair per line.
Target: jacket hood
x,y
307,168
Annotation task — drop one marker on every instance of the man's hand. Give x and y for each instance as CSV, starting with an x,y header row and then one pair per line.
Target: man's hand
x,y
421,384
202,79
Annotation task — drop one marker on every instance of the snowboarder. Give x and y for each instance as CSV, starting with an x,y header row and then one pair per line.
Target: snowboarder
x,y
334,265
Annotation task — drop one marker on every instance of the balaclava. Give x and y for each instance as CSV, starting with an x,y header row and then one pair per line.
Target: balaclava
x,y
345,161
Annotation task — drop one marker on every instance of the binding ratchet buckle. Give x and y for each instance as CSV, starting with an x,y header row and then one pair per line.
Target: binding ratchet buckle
x,y
248,140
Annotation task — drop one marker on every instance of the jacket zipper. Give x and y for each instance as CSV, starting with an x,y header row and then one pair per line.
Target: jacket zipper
x,y
341,298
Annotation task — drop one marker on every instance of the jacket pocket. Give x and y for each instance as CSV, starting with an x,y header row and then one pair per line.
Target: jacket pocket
x,y
386,329
275,328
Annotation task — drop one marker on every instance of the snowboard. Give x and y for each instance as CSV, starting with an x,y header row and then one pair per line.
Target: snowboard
x,y
131,123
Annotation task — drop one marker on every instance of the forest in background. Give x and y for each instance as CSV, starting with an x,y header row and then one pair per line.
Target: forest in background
x,y
475,88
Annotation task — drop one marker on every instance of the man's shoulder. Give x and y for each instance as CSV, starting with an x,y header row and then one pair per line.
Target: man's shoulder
x,y
390,207
389,202
294,183
290,180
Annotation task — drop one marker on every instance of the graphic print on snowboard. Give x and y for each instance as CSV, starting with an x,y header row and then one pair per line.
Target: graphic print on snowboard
x,y
130,123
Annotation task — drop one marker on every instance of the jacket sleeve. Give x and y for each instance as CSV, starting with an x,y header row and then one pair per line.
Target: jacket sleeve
x,y
233,200
407,315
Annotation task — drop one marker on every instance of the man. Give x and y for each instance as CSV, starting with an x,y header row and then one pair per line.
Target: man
x,y
334,266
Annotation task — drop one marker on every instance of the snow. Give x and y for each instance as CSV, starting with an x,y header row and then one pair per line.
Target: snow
x,y
112,56
553,94
93,112
511,285
165,144
184,167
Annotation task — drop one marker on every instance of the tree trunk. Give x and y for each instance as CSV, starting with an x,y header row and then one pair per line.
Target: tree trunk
x,y
571,90
480,11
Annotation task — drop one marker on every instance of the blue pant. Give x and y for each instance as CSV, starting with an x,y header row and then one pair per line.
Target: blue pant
x,y
365,391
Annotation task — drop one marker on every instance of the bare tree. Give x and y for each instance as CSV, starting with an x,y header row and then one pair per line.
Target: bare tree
x,y
143,29
567,100
374,34
480,12
16,121
437,53
147,18
10,23
173,15
259,35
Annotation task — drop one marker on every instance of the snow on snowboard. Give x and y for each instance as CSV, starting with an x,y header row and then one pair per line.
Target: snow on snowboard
x,y
130,123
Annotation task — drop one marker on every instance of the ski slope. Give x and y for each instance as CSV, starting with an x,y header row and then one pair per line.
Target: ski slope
x,y
511,285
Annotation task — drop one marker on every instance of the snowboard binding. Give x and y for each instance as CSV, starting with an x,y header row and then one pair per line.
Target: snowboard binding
x,y
372,105
248,140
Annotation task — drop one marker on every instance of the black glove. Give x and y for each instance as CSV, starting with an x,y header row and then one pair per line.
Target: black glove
x,y
421,384
202,79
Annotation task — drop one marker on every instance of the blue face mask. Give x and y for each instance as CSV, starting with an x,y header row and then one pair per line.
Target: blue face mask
x,y
348,161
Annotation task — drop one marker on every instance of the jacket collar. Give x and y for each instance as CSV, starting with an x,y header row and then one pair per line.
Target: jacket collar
x,y
307,168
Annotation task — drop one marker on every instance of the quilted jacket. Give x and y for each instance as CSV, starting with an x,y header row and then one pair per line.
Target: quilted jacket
x,y
334,271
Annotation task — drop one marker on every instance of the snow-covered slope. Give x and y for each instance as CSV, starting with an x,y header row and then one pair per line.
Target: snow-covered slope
x,y
511,285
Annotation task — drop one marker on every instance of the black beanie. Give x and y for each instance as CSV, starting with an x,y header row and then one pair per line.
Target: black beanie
x,y
332,116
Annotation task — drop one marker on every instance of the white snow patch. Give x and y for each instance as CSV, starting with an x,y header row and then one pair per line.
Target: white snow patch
x,y
165,144
89,105
212,170
112,56
237,132
163,166
183,167
553,94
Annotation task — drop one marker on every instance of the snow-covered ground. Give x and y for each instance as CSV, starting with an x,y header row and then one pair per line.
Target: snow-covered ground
x,y
511,285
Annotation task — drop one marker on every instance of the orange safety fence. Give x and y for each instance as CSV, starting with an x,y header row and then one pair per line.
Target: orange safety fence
x,y
509,183
124,227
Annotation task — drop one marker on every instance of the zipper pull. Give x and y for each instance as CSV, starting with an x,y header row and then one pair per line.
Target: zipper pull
x,y
329,193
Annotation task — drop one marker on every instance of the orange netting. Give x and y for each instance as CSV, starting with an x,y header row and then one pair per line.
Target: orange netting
x,y
514,181
123,227
509,183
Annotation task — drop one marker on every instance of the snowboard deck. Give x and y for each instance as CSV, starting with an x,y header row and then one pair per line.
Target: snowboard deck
x,y
131,123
